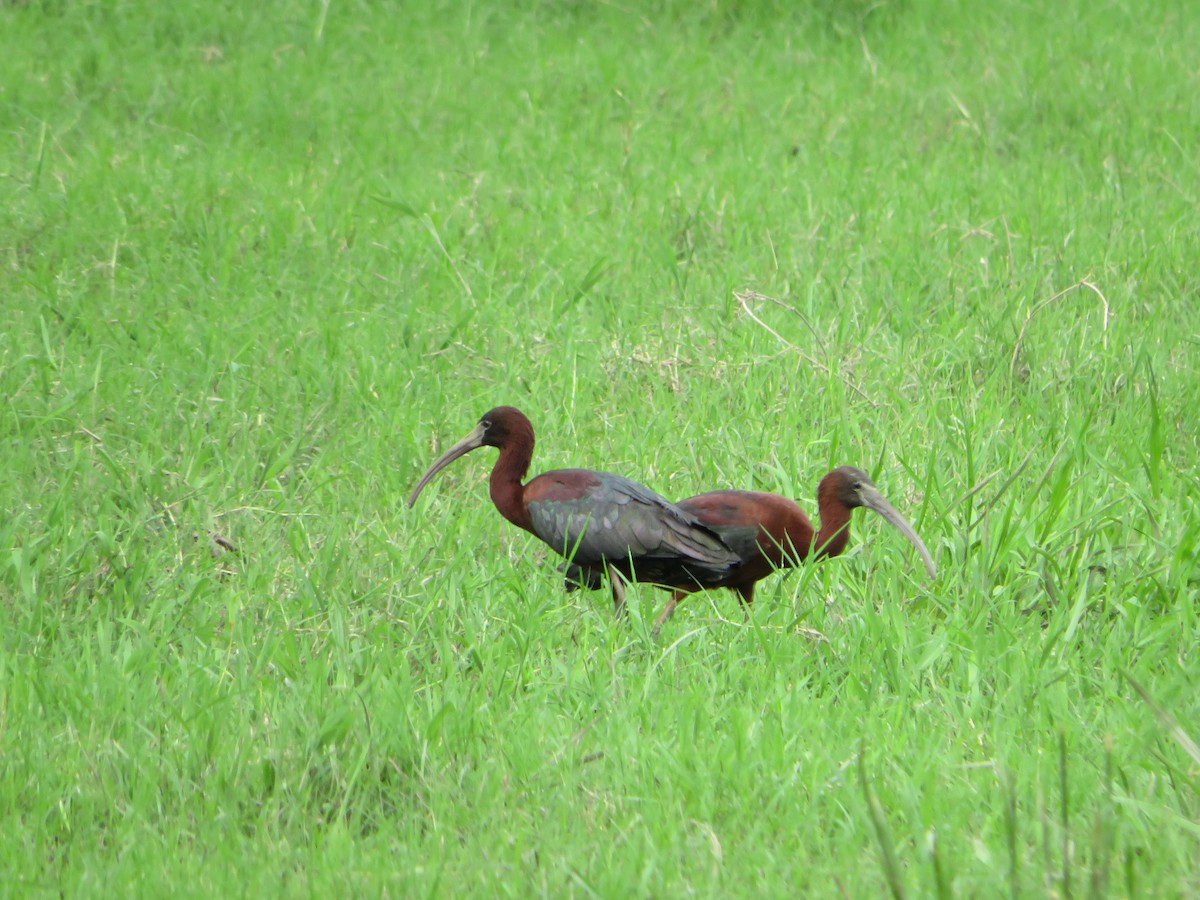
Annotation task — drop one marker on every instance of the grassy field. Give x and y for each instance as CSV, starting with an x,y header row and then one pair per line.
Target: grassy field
x,y
260,263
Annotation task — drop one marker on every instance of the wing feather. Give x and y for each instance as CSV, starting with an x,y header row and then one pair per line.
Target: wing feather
x,y
595,518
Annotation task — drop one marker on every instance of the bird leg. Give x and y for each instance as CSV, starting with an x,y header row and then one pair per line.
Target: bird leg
x,y
618,591
746,595
668,611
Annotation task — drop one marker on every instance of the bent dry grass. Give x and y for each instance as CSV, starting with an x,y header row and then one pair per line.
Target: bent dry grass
x,y
261,263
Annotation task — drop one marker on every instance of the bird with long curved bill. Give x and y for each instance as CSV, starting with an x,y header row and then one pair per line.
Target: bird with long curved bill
x,y
602,523
769,532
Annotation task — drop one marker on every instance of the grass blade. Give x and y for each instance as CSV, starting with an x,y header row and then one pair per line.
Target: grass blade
x,y
891,865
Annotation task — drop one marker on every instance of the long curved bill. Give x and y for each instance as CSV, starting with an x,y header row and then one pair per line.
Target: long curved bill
x,y
471,442
874,500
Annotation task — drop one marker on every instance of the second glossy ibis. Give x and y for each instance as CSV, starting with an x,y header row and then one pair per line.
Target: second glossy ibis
x,y
770,532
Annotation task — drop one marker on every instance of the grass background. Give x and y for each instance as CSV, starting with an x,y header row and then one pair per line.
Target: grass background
x,y
260,262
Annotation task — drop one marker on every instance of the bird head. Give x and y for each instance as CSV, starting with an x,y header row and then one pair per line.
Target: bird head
x,y
853,488
497,427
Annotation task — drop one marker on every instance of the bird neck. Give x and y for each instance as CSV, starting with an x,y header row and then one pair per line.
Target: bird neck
x,y
505,486
831,540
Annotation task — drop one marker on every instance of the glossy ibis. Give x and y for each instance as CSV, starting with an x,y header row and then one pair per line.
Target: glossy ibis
x,y
602,523
770,532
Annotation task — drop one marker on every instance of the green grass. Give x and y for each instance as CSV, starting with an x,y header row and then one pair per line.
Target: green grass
x,y
259,262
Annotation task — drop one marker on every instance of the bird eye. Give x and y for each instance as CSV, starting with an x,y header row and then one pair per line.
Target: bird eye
x,y
857,486
486,423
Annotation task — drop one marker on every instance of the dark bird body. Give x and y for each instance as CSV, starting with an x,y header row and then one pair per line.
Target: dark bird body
x,y
602,523
770,532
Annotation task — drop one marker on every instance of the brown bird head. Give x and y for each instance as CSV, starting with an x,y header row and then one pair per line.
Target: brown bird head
x,y
504,425
501,427
853,488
